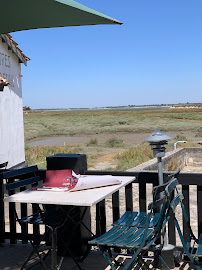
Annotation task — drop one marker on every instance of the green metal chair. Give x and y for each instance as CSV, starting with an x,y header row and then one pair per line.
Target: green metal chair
x,y
51,216
192,247
137,233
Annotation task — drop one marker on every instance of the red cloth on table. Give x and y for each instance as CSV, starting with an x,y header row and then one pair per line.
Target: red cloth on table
x,y
55,178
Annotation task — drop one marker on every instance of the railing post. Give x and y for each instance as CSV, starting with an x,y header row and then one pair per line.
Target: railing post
x,y
115,206
129,197
100,218
12,220
185,192
199,209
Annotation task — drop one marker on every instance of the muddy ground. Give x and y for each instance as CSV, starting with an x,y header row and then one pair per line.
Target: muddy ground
x,y
128,138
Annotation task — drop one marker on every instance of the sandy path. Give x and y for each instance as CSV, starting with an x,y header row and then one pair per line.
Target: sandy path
x,y
128,138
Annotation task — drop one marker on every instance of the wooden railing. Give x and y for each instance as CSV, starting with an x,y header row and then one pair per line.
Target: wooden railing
x,y
142,180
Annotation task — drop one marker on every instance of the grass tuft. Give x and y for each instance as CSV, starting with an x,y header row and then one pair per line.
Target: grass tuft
x,y
173,165
114,143
180,137
198,134
36,155
134,156
92,142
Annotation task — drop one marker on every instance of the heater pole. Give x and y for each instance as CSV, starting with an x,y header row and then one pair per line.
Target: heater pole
x,y
158,141
160,171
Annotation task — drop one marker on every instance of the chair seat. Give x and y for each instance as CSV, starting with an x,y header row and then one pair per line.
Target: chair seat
x,y
32,219
53,217
119,228
128,229
135,240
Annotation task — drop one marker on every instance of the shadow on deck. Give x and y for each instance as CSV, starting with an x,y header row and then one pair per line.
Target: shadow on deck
x,y
13,256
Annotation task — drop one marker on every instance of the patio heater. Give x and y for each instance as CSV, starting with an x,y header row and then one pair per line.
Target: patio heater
x,y
158,140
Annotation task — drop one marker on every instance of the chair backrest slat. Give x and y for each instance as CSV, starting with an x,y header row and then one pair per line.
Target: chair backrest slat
x,y
23,183
157,203
128,220
157,189
17,181
17,173
176,200
124,217
171,186
138,219
155,220
173,175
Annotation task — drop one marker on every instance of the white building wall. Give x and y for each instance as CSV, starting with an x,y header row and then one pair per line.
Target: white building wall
x,y
11,109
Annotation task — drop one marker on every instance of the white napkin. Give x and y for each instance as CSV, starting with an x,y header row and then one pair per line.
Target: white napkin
x,y
88,181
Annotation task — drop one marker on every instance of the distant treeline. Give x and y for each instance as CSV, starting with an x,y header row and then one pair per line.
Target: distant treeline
x,y
26,108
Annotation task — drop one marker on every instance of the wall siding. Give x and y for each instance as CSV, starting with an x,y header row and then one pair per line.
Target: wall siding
x,y
11,109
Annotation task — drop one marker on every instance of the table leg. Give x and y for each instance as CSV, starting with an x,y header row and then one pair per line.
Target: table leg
x,y
54,265
54,259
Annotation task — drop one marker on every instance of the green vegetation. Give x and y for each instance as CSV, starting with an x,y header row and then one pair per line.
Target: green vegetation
x,y
26,108
39,124
188,105
198,135
114,143
134,156
92,142
37,154
180,137
126,159
114,151
173,165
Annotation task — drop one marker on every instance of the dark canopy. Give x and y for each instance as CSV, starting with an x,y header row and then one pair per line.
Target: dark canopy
x,y
17,15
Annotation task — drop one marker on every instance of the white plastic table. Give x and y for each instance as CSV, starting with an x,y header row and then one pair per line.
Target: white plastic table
x,y
77,198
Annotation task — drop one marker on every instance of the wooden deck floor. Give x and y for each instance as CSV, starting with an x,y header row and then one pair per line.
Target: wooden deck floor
x,y
12,257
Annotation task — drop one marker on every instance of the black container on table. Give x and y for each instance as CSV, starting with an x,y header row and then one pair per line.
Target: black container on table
x,y
79,242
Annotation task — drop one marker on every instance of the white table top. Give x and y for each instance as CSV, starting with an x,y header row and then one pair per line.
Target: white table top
x,y
77,198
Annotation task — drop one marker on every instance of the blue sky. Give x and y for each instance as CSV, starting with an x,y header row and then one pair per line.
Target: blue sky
x,y
155,57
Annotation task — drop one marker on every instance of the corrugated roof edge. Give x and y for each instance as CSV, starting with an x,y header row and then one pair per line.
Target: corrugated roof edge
x,y
13,46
